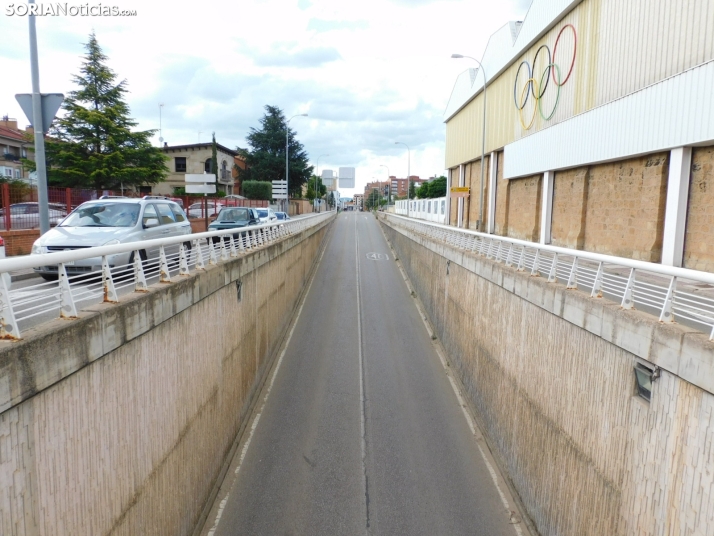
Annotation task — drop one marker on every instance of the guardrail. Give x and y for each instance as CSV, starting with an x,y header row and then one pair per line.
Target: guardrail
x,y
159,260
668,292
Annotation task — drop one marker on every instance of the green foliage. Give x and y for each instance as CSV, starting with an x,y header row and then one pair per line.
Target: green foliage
x,y
265,160
214,156
258,190
373,200
412,189
433,189
93,145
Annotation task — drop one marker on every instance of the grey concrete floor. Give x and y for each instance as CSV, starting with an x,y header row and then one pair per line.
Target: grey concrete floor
x,y
359,430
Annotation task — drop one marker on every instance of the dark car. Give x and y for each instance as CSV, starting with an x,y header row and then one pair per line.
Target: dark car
x,y
282,216
234,218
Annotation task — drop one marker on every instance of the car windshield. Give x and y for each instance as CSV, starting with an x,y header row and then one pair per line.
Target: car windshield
x,y
233,214
263,213
104,215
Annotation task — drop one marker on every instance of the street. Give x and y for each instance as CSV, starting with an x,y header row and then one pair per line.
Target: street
x,y
359,430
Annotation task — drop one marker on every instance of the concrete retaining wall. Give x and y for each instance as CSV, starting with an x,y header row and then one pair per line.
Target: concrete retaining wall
x,y
120,422
550,373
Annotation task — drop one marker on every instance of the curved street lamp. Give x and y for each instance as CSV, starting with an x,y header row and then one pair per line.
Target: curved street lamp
x,y
409,162
287,166
483,134
389,185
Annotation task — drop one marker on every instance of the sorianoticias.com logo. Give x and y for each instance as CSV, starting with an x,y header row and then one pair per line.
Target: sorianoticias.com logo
x,y
59,9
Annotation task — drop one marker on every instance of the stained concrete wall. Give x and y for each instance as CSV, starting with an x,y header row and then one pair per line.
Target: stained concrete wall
x,y
550,373
119,422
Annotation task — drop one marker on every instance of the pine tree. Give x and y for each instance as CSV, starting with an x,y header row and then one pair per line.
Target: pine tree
x,y
265,160
93,146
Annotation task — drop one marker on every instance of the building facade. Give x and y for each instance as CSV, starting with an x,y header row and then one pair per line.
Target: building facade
x,y
196,158
15,144
599,130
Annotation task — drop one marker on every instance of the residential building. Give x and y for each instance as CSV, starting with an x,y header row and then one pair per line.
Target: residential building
x,y
15,144
358,200
399,186
196,158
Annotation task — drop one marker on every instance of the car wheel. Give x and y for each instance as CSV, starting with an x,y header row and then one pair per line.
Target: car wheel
x,y
49,277
142,254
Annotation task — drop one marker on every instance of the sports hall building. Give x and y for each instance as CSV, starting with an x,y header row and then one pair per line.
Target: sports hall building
x,y
599,130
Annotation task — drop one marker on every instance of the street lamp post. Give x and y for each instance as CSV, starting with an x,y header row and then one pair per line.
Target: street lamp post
x,y
389,185
483,134
409,163
161,135
287,166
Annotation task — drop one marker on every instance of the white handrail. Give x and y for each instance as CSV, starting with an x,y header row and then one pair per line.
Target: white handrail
x,y
670,271
670,300
39,300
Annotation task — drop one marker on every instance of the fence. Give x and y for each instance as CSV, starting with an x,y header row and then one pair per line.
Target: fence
x,y
19,208
670,293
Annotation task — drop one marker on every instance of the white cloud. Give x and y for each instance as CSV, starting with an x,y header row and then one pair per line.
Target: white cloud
x,y
368,73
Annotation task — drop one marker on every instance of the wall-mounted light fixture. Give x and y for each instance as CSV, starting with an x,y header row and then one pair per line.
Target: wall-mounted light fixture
x,y
645,374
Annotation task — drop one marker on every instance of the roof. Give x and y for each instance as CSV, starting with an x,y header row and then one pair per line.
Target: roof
x,y
194,146
12,134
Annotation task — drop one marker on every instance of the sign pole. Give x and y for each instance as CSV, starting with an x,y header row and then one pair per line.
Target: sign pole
x,y
40,161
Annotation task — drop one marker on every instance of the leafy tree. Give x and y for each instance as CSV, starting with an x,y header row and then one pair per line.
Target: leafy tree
x,y
93,145
438,187
265,160
412,189
258,190
214,156
374,199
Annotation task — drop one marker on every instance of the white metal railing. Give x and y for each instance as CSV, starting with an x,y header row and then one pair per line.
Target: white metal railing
x,y
666,291
174,257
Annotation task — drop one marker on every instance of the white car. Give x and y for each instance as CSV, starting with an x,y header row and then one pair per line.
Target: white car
x,y
267,215
196,210
27,215
105,222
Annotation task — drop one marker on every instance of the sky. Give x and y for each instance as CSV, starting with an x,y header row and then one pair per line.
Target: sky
x,y
367,73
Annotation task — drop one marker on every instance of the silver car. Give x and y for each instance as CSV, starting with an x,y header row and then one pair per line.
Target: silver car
x,y
105,222
266,215
27,215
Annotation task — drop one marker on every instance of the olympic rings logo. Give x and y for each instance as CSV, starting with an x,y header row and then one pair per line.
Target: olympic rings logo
x,y
537,86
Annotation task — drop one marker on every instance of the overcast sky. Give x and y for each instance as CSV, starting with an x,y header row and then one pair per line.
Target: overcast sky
x,y
368,73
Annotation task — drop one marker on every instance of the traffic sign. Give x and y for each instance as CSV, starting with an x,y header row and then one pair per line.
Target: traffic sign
x,y
51,102
200,177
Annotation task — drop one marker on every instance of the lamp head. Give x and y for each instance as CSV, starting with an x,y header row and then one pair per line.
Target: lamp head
x,y
457,56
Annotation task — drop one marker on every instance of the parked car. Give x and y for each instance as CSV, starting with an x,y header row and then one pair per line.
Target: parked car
x,y
27,215
234,218
266,215
282,215
196,210
110,221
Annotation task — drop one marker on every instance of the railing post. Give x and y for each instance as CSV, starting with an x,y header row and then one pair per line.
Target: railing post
x,y
183,261
110,292
536,260
199,256
139,276
573,279
164,267
508,256
224,251
666,315
234,252
67,307
627,300
553,275
8,324
597,284
212,259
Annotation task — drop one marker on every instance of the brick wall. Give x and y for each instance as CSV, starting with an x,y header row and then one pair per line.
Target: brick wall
x,y
570,197
524,199
19,242
625,207
698,250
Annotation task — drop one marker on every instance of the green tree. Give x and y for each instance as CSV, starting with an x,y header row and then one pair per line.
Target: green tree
x,y
423,191
93,145
374,199
438,187
265,159
412,189
214,156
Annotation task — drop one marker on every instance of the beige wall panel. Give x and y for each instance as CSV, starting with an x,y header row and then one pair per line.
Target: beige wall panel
x,y
699,239
621,47
645,41
625,207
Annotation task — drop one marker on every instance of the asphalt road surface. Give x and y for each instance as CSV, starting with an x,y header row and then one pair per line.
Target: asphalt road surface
x,y
361,431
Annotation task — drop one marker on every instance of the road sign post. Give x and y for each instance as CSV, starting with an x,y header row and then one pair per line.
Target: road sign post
x,y
201,183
